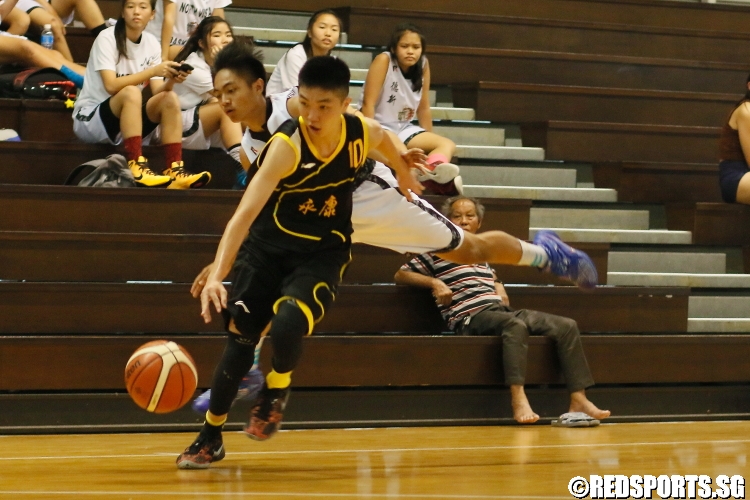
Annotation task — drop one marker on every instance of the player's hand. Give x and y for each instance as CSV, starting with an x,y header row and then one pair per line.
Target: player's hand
x,y
200,281
409,184
213,293
166,69
441,292
215,50
415,158
182,76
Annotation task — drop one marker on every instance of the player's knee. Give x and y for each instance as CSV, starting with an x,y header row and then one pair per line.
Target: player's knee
x,y
515,329
448,144
130,96
169,101
288,328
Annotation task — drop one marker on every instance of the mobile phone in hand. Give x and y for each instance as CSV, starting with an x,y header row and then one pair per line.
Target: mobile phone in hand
x,y
185,67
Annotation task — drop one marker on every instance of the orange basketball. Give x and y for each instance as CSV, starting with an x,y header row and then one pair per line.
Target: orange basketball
x,y
160,376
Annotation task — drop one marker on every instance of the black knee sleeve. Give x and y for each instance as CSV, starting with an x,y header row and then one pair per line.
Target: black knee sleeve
x,y
287,329
238,357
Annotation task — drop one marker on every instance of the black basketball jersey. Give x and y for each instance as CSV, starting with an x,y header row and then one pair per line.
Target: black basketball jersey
x,y
311,207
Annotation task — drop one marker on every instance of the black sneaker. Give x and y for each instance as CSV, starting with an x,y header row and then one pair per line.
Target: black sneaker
x,y
266,415
201,453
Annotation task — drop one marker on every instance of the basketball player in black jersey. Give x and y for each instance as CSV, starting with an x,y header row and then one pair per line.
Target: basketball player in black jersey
x,y
297,210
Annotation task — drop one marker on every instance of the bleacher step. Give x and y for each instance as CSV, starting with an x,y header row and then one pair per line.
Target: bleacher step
x,y
356,74
589,218
451,113
667,262
692,280
472,135
355,92
719,307
542,193
649,237
719,325
268,19
358,59
518,176
498,152
276,34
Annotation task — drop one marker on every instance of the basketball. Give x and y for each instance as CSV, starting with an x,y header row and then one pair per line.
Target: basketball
x,y
160,376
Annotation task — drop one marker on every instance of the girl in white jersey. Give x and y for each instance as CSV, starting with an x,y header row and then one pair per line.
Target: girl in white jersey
x,y
323,31
110,108
396,91
175,21
204,124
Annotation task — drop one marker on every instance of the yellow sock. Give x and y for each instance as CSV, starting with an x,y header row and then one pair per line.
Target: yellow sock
x,y
276,380
216,421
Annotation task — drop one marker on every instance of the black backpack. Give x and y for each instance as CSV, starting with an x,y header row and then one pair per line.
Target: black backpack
x,y
37,83
112,171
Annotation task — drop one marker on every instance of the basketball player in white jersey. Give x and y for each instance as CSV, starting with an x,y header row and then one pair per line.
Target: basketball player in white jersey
x,y
381,215
396,92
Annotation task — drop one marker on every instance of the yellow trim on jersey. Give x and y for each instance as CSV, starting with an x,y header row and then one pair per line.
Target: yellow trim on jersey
x,y
366,137
303,307
343,269
339,235
318,188
313,150
297,153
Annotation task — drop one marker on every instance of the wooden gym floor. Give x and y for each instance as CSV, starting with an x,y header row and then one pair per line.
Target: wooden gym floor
x,y
534,462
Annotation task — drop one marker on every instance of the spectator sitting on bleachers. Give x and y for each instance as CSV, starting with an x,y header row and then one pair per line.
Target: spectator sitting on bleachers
x,y
204,124
474,302
109,108
323,31
175,21
16,49
58,14
397,90
734,153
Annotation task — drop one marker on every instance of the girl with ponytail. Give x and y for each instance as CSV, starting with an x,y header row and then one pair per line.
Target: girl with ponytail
x,y
323,31
110,107
396,92
204,124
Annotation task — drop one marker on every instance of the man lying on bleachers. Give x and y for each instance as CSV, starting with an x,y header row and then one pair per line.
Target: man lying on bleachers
x,y
474,302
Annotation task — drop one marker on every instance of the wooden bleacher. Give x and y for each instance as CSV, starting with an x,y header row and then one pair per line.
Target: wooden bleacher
x,y
525,102
373,26
651,72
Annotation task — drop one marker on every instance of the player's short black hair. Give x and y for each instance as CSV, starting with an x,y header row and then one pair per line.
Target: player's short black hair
x,y
327,73
241,57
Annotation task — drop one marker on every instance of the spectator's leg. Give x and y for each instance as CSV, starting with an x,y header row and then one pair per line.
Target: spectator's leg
x,y
439,149
40,17
18,50
515,335
743,190
126,105
88,11
567,338
164,109
18,22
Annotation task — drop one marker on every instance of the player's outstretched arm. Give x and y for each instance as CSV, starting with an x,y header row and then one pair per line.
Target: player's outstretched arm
x,y
381,142
279,160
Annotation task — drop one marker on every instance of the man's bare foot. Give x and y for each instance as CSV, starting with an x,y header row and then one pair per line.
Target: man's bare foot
x,y
579,402
522,411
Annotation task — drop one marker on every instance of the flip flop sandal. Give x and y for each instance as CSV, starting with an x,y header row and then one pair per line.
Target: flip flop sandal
x,y
575,419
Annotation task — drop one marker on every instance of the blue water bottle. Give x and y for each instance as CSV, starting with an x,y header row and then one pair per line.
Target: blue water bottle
x,y
48,38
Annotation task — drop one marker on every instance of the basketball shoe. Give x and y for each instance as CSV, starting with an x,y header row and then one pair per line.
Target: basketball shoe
x,y
144,176
183,179
250,386
201,453
450,188
266,415
566,261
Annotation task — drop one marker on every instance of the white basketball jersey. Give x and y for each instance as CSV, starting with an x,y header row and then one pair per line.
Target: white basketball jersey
x,y
276,114
398,103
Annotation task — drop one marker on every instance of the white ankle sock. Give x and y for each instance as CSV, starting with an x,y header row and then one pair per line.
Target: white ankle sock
x,y
533,255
